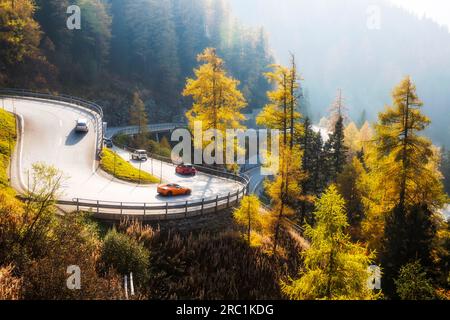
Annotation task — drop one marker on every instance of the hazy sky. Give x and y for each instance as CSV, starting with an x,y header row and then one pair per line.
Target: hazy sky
x,y
438,10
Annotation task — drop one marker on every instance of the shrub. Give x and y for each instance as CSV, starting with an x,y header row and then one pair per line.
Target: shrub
x,y
126,255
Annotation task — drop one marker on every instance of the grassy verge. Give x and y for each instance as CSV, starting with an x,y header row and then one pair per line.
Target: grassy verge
x,y
8,137
124,170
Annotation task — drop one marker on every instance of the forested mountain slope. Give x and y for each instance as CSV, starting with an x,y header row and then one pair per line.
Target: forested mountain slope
x,y
127,45
335,48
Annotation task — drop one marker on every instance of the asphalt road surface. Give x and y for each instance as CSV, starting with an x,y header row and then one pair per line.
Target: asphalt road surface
x,y
49,137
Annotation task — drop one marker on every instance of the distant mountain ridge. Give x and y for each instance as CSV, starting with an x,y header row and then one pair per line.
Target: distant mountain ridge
x,y
335,48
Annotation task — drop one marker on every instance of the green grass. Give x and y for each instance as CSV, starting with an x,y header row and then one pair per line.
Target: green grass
x,y
124,170
8,137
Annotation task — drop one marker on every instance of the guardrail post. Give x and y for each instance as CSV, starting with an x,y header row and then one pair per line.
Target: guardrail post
x,y
121,208
203,204
78,205
167,209
97,207
186,209
144,208
228,200
217,203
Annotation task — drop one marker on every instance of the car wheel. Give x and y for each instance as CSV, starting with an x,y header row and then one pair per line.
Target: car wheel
x,y
169,194
188,193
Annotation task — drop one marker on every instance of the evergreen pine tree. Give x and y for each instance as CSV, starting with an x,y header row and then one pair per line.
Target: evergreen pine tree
x,y
336,150
138,117
445,169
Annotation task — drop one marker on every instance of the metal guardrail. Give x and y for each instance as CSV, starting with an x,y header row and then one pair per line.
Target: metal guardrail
x,y
287,222
116,211
97,111
153,128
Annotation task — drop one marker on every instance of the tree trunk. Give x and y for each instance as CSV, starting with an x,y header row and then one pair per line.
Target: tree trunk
x,y
405,155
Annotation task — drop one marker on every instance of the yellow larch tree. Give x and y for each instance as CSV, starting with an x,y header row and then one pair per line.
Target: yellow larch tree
x,y
249,215
218,103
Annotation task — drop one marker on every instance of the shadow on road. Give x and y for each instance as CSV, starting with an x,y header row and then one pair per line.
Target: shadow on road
x,y
185,176
172,199
75,137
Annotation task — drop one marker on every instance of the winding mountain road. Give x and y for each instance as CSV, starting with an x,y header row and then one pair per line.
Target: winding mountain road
x,y
48,136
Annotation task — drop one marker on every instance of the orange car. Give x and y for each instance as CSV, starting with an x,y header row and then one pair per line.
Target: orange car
x,y
173,189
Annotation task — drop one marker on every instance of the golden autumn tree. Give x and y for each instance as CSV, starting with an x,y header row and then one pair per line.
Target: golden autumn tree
x,y
403,165
366,134
282,110
217,101
408,154
285,189
402,190
248,215
351,140
282,113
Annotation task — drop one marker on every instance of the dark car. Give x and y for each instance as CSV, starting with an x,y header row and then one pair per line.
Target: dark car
x,y
186,170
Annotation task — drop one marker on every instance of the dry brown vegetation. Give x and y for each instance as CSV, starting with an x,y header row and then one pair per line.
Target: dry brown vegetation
x,y
10,286
212,265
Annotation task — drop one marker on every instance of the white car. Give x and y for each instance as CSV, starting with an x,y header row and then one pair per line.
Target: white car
x,y
139,155
82,125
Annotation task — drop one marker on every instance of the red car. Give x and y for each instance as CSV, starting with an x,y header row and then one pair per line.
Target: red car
x,y
186,170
